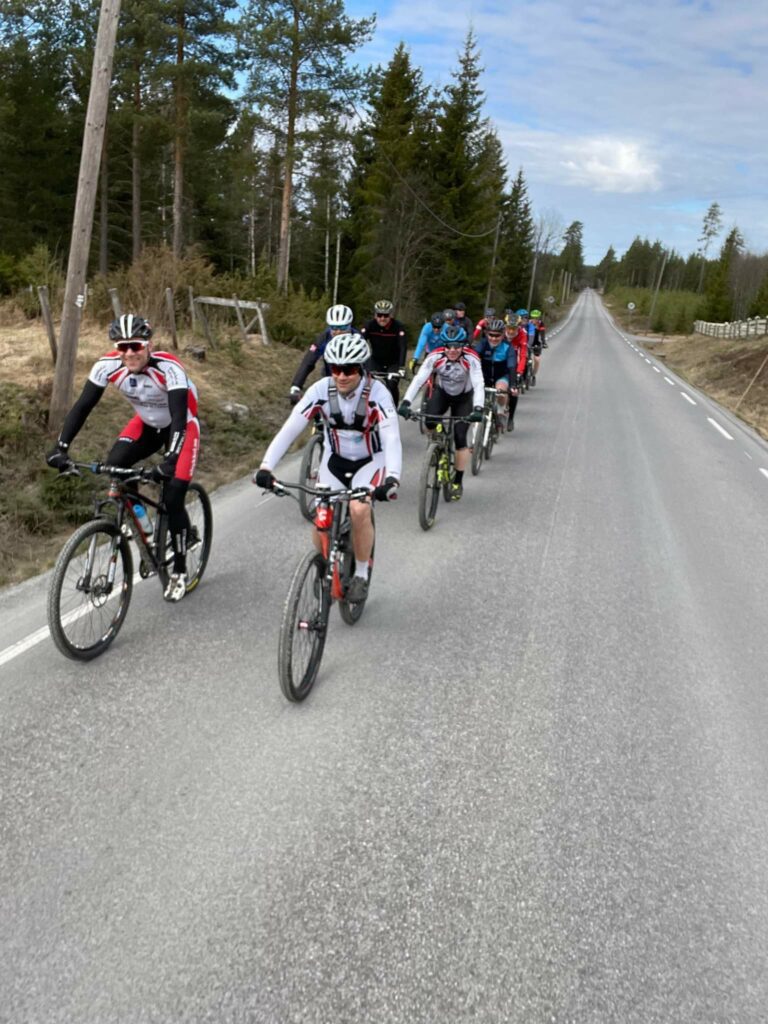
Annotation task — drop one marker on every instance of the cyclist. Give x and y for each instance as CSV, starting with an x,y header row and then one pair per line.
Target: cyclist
x,y
458,386
338,320
429,339
388,342
490,314
462,320
498,358
537,341
518,340
165,403
362,442
541,327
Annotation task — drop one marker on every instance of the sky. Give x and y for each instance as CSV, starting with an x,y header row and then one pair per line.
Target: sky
x,y
632,117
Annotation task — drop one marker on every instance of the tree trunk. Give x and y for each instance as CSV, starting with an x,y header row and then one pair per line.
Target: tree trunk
x,y
181,103
136,169
285,211
85,202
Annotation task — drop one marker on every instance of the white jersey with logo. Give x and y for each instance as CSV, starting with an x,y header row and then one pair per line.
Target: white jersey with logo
x,y
147,390
454,376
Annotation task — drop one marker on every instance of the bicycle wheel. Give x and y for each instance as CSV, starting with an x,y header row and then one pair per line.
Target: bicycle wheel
x,y
477,448
446,474
350,613
489,438
308,473
429,487
198,506
303,628
85,608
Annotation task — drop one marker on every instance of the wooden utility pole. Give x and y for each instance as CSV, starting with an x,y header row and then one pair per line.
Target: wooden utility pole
x,y
85,203
658,285
493,262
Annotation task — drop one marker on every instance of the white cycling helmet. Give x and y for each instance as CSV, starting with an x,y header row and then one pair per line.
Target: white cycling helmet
x,y
347,348
339,316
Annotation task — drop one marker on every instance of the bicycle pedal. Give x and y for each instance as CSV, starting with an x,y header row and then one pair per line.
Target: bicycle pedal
x,y
145,571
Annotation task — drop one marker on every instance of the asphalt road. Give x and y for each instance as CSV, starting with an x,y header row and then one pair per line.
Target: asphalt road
x,y
531,785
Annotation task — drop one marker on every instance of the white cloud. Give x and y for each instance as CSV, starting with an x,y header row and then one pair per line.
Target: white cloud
x,y
610,165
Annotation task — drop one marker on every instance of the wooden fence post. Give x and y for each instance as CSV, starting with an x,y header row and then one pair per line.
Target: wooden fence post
x,y
42,294
114,298
206,325
171,316
240,320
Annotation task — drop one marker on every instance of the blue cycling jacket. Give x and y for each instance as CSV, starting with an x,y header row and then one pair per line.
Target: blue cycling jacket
x,y
429,340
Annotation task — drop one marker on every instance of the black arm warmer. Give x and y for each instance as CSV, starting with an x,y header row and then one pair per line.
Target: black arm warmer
x,y
306,366
80,412
177,406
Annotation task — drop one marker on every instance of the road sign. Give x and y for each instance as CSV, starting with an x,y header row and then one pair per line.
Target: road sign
x,y
630,306
551,299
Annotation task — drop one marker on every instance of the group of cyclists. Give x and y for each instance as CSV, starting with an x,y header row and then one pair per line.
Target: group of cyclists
x,y
356,399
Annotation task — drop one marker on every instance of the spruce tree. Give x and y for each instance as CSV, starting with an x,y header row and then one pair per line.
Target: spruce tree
x,y
518,245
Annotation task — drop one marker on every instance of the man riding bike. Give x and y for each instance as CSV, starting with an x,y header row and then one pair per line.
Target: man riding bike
x,y
362,446
462,320
338,320
458,386
165,403
517,338
429,339
388,342
498,359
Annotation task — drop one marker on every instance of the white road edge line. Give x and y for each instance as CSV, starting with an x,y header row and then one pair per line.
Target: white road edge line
x,y
688,398
764,471
717,426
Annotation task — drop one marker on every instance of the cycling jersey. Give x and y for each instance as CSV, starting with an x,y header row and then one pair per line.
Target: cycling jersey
x,y
388,344
429,340
497,362
358,426
465,322
315,351
453,376
520,345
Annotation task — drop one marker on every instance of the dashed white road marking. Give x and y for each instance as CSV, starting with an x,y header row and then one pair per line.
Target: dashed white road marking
x,y
717,426
688,398
647,360
764,471
657,370
669,381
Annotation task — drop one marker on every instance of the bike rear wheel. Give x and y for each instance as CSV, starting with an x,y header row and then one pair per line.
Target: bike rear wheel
x,y
489,437
198,507
309,472
303,628
85,610
429,487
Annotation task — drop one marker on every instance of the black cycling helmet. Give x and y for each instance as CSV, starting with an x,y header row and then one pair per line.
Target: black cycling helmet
x,y
129,327
495,326
437,320
460,305
490,313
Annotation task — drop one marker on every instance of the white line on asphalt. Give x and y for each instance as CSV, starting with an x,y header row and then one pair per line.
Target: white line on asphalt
x,y
717,426
23,645
688,398
764,471
669,381
657,369
748,456
647,360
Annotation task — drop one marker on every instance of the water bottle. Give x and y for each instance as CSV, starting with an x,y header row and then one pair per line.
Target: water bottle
x,y
144,521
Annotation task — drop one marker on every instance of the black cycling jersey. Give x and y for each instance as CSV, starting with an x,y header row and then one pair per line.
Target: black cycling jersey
x,y
388,344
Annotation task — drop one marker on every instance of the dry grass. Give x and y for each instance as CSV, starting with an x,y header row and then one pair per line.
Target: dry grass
x,y
723,370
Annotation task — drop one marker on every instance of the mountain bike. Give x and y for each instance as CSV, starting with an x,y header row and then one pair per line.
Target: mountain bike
x,y
529,377
487,432
320,578
438,466
92,580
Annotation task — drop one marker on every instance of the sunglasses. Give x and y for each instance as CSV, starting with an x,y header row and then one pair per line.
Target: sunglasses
x,y
383,316
493,334
346,370
454,344
131,346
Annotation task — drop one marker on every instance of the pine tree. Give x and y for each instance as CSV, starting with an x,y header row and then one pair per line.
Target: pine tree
x,y
719,302
518,244
605,268
572,253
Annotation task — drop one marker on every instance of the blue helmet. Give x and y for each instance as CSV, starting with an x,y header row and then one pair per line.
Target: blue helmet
x,y
453,335
522,312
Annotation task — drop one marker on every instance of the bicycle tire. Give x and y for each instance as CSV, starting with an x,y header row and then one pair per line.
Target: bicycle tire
x,y
78,627
429,489
477,448
490,440
198,506
308,473
303,628
351,613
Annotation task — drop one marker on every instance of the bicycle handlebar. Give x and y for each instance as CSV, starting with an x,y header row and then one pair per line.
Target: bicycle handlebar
x,y
281,488
102,468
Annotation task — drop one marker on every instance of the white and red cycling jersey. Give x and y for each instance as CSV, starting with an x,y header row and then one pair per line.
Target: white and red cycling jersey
x,y
147,390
